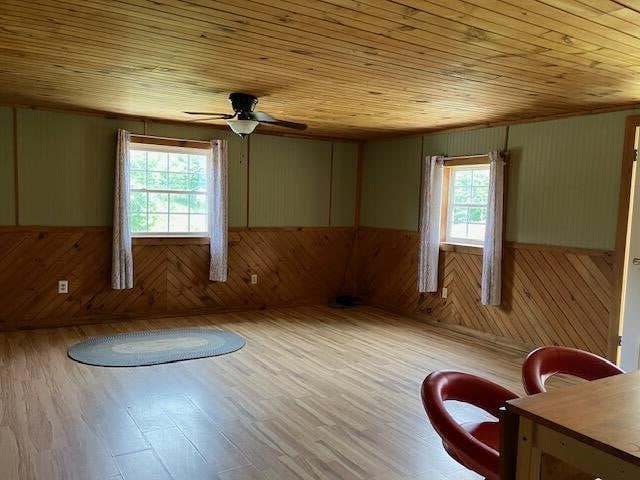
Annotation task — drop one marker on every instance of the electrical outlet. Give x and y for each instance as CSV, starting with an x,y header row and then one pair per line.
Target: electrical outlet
x,y
445,292
254,278
63,286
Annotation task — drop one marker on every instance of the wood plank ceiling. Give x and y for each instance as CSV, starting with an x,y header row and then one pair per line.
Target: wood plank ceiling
x,y
348,68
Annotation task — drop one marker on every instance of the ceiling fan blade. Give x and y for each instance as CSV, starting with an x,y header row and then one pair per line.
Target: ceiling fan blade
x,y
220,116
266,118
284,123
206,119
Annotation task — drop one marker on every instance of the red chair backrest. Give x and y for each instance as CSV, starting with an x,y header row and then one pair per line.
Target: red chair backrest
x,y
545,362
445,385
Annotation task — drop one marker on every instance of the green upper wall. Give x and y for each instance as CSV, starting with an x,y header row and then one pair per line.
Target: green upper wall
x,y
301,182
563,175
289,182
392,170
391,183
470,142
343,183
66,170
66,167
7,178
563,178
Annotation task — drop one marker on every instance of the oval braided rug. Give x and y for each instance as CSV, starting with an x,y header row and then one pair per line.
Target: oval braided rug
x,y
154,347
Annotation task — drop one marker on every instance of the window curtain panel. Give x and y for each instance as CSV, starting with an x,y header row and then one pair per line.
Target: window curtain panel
x,y
492,256
218,230
432,175
122,257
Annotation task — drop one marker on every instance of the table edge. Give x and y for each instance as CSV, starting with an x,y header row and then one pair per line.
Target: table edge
x,y
573,434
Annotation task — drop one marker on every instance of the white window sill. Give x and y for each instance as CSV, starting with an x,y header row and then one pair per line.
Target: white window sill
x,y
461,247
169,240
169,235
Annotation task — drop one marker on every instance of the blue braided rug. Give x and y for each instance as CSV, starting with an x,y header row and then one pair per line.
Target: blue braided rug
x,y
154,347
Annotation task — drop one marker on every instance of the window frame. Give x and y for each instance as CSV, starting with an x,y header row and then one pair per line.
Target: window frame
x,y
462,163
152,144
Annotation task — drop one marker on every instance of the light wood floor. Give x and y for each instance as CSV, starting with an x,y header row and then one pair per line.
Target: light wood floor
x,y
316,393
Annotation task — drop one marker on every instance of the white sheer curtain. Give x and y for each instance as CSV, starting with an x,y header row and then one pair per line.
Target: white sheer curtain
x,y
492,256
430,224
217,187
122,257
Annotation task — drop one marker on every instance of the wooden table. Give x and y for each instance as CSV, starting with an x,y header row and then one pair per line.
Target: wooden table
x,y
592,426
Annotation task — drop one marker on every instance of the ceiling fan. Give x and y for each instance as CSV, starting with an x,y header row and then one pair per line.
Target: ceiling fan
x,y
244,120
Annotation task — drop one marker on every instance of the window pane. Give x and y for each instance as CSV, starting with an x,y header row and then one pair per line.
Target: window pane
x,y
198,203
157,161
157,180
179,222
478,214
197,163
179,203
153,209
138,160
139,222
178,162
459,215
458,230
158,203
462,195
462,178
481,177
198,223
138,179
480,195
198,182
178,181
138,202
158,222
470,186
476,231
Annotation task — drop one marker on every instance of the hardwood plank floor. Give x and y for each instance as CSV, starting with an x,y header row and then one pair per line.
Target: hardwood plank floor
x,y
316,393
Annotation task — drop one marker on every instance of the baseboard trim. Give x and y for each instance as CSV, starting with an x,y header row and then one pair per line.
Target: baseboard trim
x,y
61,322
466,331
56,322
487,337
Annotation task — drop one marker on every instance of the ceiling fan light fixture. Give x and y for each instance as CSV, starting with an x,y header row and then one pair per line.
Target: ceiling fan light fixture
x,y
243,127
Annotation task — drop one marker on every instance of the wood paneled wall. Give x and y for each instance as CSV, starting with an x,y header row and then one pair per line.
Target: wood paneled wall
x,y
297,266
551,295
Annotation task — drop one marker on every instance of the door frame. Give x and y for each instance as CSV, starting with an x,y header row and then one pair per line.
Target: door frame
x,y
628,157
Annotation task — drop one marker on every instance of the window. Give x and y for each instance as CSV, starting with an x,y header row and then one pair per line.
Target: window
x,y
466,205
168,190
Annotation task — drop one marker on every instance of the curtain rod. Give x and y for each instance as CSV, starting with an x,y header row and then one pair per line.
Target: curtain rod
x,y
169,138
459,157
463,157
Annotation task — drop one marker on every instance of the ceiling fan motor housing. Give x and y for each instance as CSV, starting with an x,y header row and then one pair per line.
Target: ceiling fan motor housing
x,y
243,104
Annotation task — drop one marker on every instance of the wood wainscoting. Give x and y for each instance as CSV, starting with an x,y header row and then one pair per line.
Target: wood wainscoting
x,y
551,295
294,266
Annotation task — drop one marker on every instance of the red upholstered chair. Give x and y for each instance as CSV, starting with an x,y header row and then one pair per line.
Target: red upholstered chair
x,y
474,445
545,362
